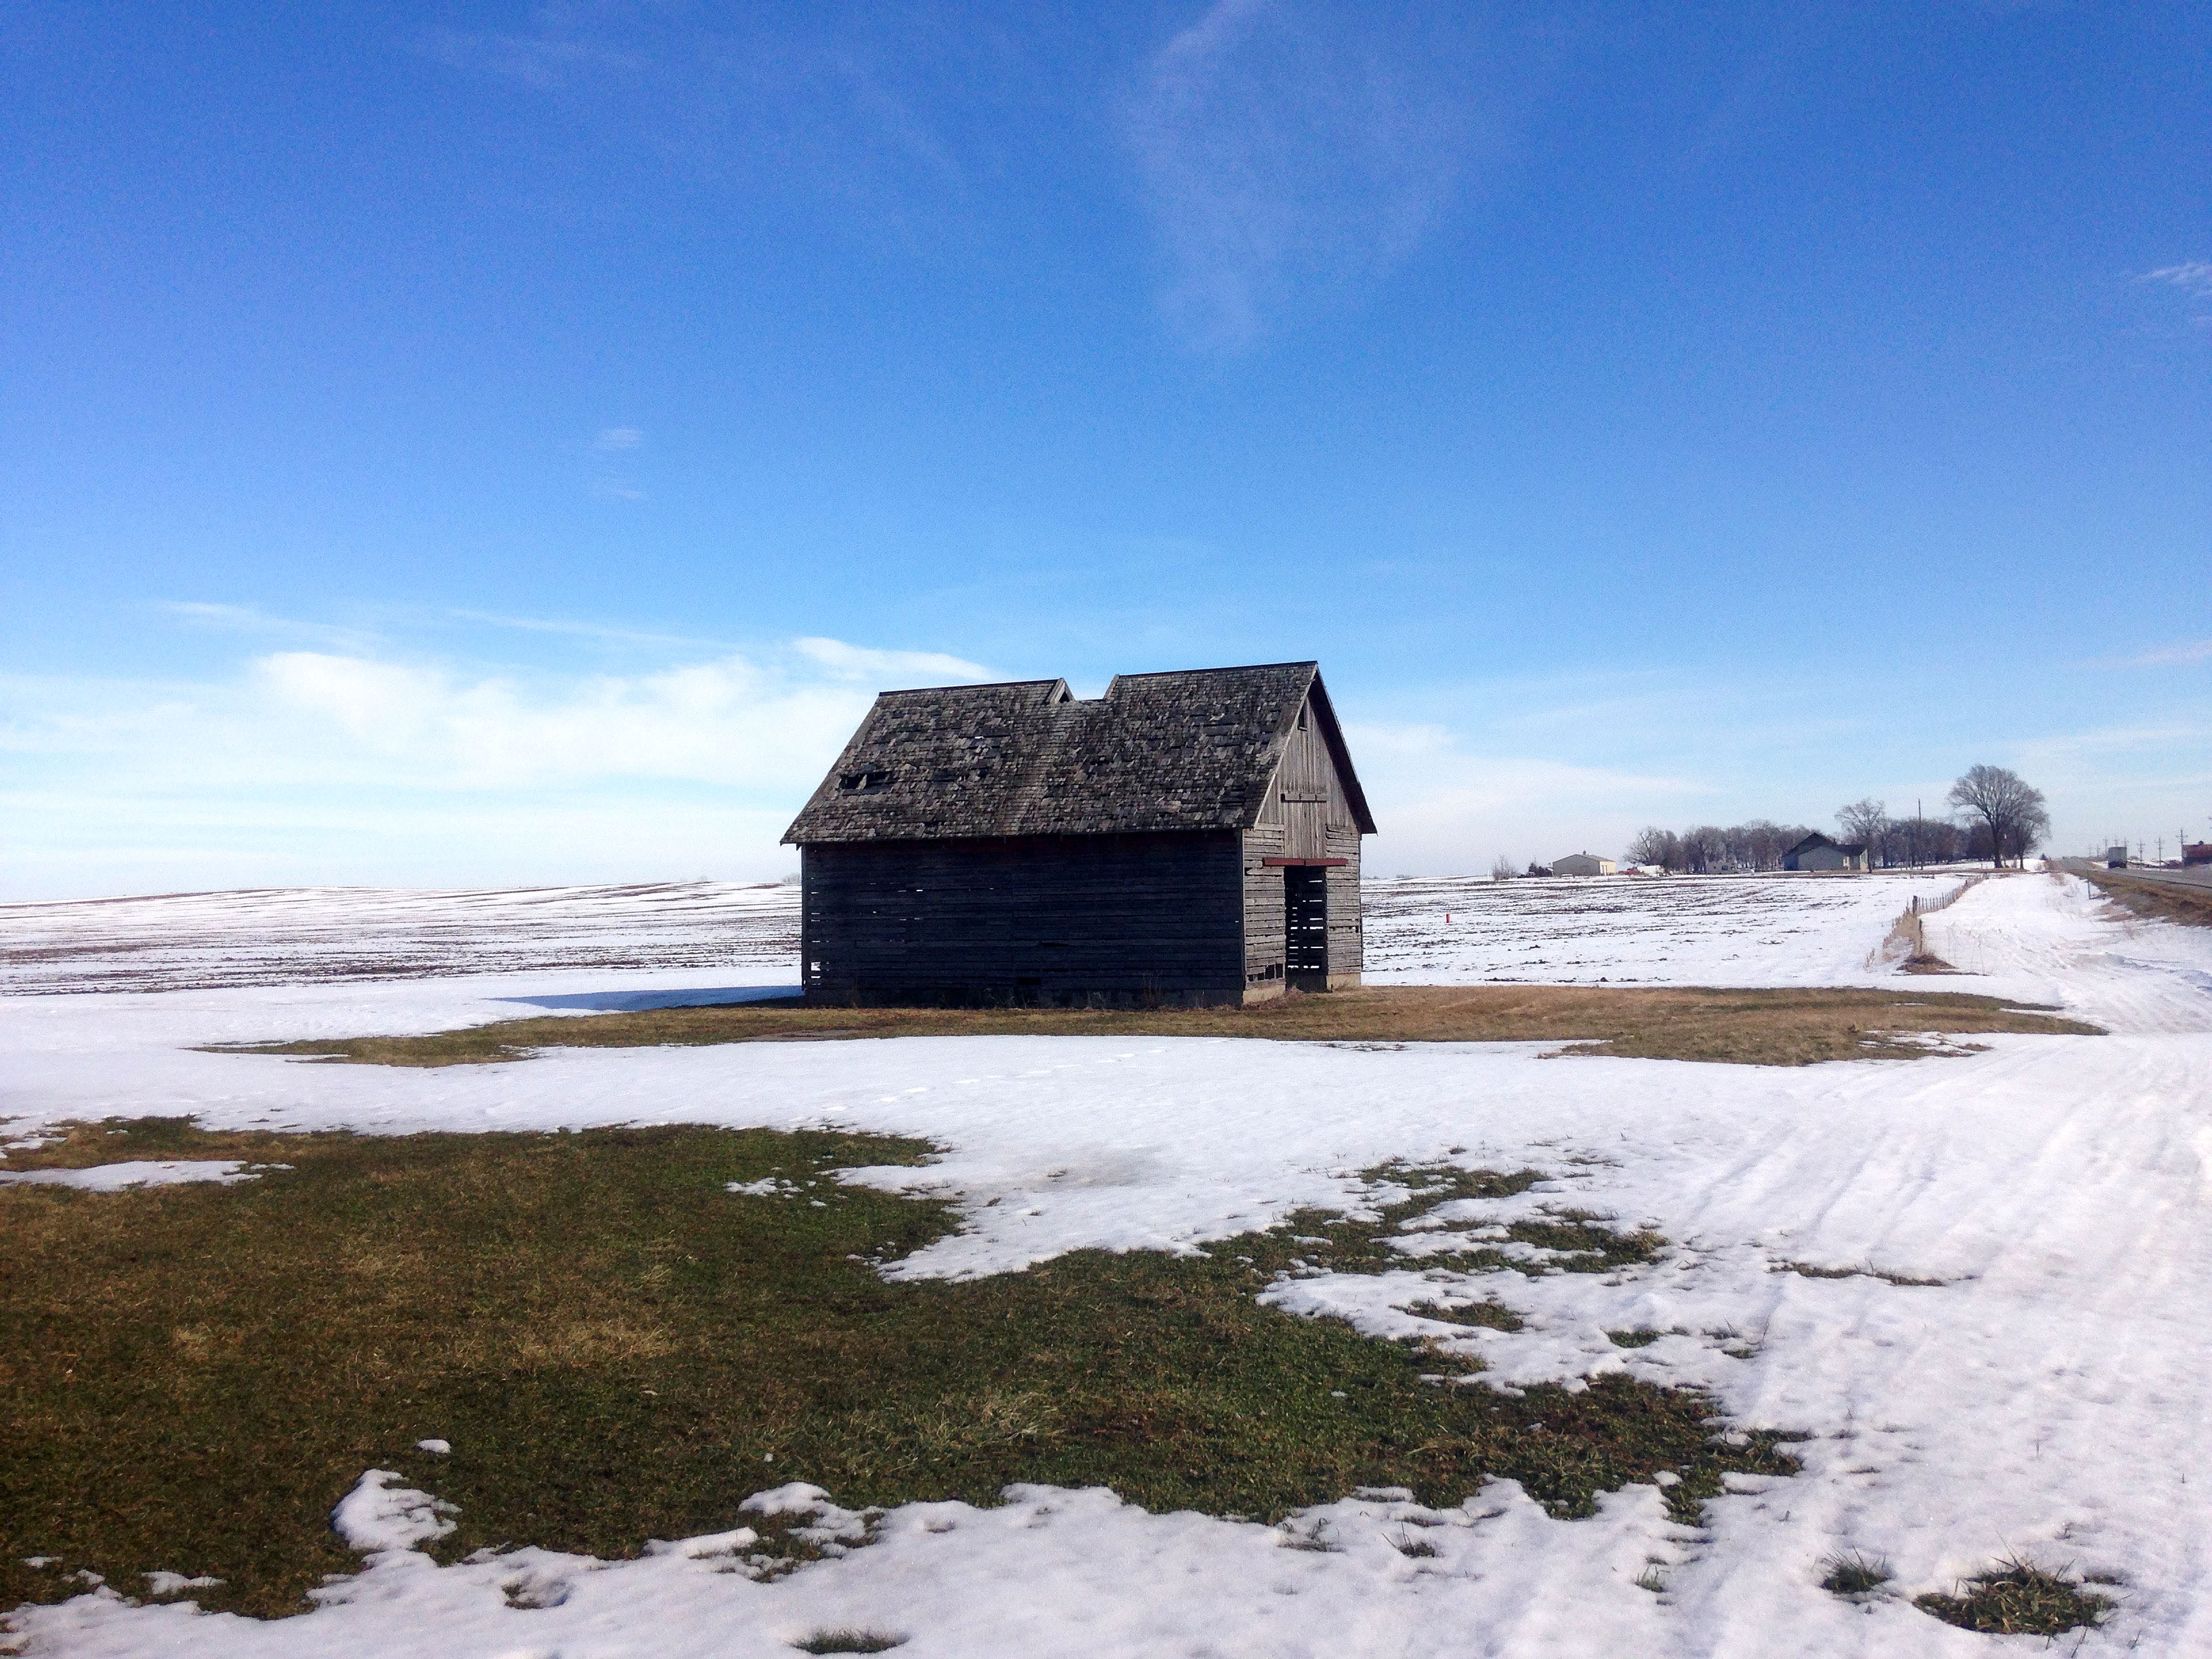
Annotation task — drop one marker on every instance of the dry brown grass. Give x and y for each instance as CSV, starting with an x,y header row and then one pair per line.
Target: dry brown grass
x,y
2162,901
1794,1027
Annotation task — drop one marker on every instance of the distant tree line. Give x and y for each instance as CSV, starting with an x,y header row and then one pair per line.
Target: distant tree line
x,y
1708,849
1999,817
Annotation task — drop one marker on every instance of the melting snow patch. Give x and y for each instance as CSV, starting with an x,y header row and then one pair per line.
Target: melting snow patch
x,y
114,1177
172,1583
380,1515
766,1187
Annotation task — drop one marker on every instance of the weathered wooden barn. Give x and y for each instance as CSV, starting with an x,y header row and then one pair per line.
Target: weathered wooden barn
x,y
1187,838
1817,852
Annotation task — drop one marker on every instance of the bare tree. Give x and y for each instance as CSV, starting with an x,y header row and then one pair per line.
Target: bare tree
x,y
1926,841
2006,807
1863,822
1706,849
1502,868
1652,845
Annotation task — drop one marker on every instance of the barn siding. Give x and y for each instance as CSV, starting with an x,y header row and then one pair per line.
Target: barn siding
x,y
1055,919
1307,814
1264,941
1307,797
1348,941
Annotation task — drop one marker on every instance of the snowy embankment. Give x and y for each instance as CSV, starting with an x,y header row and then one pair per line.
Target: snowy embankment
x,y
1620,930
2048,1397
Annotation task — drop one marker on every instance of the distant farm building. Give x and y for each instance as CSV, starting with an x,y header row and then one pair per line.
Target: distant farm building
x,y
1817,852
1187,838
2195,851
1582,864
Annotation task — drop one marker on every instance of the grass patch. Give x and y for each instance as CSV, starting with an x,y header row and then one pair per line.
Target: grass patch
x,y
1322,1241
1490,1316
619,1349
2161,901
1644,1337
849,1640
1850,1572
1791,1027
2018,1598
1864,1270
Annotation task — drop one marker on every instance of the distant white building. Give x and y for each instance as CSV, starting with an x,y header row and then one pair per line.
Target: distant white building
x,y
1582,864
1817,852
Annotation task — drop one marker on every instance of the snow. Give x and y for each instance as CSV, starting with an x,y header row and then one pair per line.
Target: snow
x,y
1681,930
381,1514
175,1584
113,1177
283,936
2048,1396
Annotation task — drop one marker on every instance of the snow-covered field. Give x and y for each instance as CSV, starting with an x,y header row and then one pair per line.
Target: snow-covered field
x,y
2049,1398
1686,929
283,936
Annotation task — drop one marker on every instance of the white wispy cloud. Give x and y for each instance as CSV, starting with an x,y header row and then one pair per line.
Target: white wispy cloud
x,y
2190,652
733,721
248,619
608,479
760,724
1445,804
591,631
311,765
1288,147
563,48
845,102
852,662
2191,277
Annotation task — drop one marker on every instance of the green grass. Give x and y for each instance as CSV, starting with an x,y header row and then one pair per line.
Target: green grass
x,y
2018,1598
1322,1240
1492,1315
620,1350
1864,1270
1851,1573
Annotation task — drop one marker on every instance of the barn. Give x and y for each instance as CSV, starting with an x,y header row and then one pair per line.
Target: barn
x,y
1817,852
1187,838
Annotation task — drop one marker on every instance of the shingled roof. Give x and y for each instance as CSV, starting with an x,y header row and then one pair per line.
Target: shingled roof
x,y
1190,751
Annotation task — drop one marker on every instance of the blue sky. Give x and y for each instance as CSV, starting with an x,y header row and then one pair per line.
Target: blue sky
x,y
477,444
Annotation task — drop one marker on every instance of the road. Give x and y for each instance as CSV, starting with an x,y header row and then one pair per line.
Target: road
x,y
2198,876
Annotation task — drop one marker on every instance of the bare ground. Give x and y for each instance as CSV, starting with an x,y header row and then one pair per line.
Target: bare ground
x,y
1787,1027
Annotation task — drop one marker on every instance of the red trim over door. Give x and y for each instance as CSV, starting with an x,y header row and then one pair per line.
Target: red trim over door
x,y
1303,864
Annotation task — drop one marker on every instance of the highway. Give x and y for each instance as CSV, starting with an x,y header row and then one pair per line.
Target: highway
x,y
2197,876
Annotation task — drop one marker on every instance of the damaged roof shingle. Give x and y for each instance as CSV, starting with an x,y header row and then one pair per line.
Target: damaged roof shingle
x,y
1189,750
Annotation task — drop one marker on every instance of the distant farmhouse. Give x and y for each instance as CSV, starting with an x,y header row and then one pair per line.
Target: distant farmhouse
x,y
2194,852
1582,864
1187,838
1817,852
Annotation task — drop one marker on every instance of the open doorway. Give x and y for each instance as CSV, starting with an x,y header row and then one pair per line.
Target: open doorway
x,y
1305,928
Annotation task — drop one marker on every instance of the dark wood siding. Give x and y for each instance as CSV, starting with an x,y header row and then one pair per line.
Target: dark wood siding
x,y
1053,919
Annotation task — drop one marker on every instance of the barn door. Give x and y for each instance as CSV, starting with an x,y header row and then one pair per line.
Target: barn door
x,y
1305,919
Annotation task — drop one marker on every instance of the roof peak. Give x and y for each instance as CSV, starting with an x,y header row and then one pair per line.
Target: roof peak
x,y
1181,749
